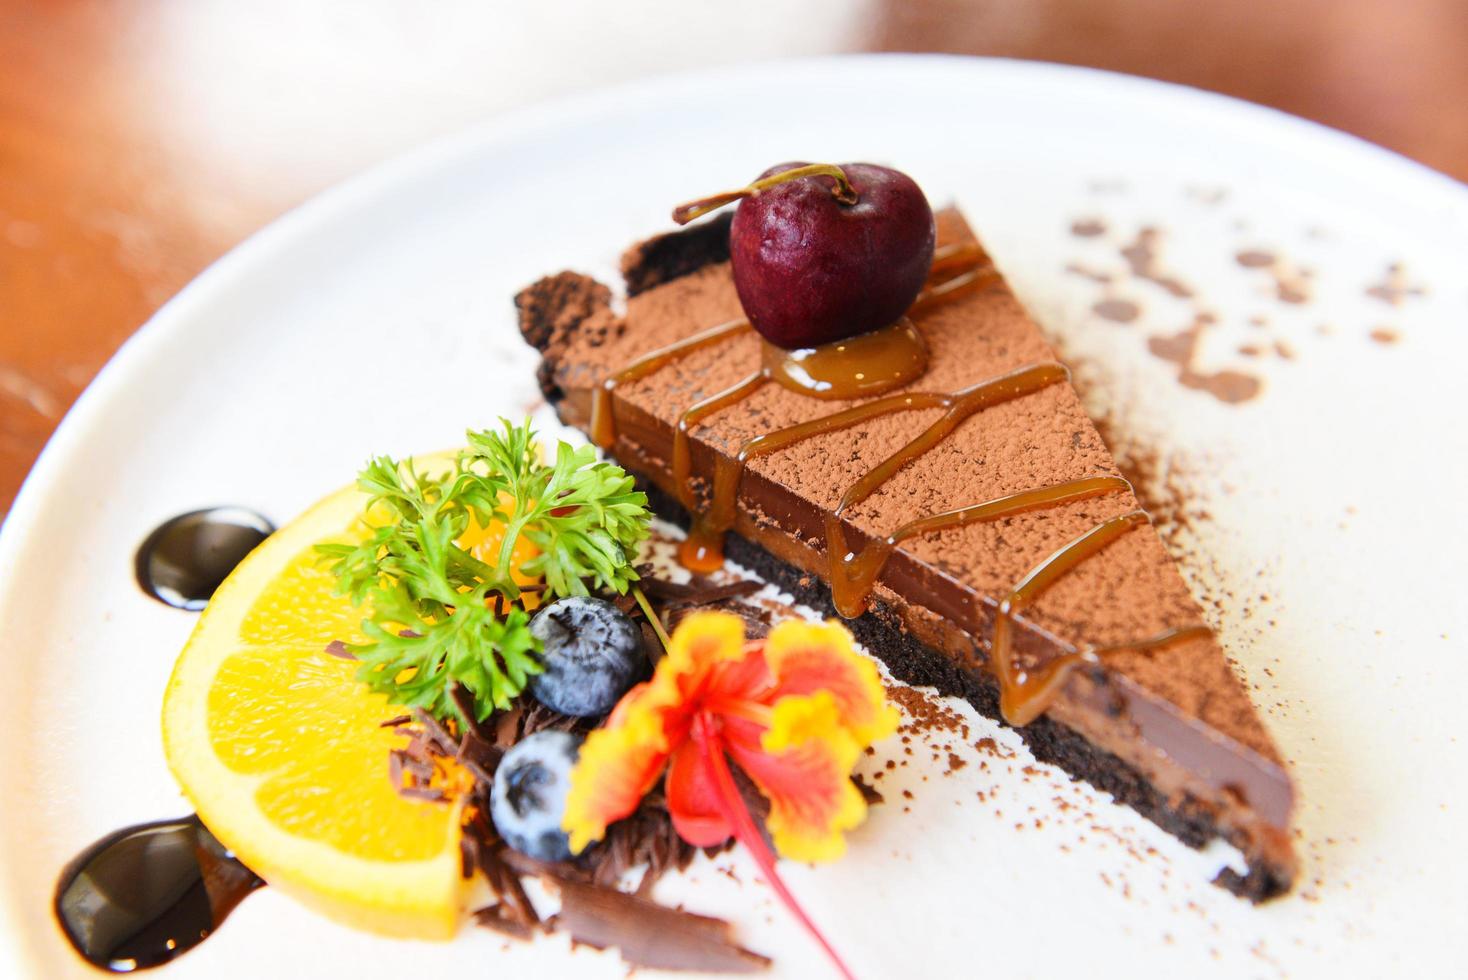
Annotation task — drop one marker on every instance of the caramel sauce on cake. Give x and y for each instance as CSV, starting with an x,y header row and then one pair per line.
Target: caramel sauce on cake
x,y
858,367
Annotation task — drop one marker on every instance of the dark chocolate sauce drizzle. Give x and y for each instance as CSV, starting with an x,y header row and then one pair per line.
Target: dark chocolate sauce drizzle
x,y
141,896
1025,692
185,559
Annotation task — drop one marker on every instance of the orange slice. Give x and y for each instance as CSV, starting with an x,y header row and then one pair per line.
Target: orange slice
x,y
280,748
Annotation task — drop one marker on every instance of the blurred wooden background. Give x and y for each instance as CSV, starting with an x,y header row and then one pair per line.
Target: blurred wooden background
x,y
141,139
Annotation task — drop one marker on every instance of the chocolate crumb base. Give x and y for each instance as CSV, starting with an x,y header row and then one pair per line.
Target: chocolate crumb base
x,y
550,310
667,257
916,663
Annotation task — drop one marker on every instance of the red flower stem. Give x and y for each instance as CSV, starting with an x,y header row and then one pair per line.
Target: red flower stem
x,y
745,831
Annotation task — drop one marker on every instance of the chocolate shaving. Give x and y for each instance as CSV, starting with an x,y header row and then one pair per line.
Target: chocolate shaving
x,y
479,757
523,864
395,768
652,935
594,911
507,727
468,855
336,648
465,703
756,621
503,880
495,917
438,736
417,747
400,762
537,717
647,839
699,592
652,643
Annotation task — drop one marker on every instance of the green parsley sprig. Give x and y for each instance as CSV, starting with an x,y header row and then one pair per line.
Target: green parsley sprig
x,y
437,610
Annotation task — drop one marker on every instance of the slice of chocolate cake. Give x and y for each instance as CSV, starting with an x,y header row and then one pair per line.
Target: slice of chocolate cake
x,y
979,522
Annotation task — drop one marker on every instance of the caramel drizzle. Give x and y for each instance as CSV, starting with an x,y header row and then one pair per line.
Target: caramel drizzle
x,y
702,550
957,255
1024,693
854,574
603,419
682,464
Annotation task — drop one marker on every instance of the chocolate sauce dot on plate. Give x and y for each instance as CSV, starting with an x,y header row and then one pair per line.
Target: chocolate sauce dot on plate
x,y
185,559
143,895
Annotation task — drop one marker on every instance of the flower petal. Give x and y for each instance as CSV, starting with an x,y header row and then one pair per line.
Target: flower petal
x,y
804,768
618,764
701,642
807,657
693,799
622,760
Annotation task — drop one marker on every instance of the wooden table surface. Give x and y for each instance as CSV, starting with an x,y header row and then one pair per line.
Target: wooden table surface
x,y
141,139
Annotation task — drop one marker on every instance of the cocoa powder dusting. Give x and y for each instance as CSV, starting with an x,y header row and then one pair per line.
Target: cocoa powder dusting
x,y
1161,481
1394,289
1288,283
1085,272
1181,349
1117,310
1141,256
926,712
931,716
1143,259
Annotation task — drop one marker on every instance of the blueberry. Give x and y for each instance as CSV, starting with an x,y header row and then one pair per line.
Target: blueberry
x,y
593,654
529,794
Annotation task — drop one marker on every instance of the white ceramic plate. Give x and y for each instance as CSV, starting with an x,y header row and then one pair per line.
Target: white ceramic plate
x,y
1335,493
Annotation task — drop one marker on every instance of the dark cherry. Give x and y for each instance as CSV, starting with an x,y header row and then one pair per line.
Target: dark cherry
x,y
834,253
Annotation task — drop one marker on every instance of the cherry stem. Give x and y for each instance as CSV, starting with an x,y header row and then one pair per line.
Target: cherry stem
x,y
843,191
733,810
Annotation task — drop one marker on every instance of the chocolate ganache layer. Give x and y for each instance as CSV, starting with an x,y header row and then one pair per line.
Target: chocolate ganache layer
x,y
1006,517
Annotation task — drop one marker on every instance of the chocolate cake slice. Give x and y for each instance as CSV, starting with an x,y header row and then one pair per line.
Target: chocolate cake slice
x,y
1148,708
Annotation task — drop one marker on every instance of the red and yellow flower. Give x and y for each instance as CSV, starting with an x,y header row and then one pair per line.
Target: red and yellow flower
x,y
793,711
